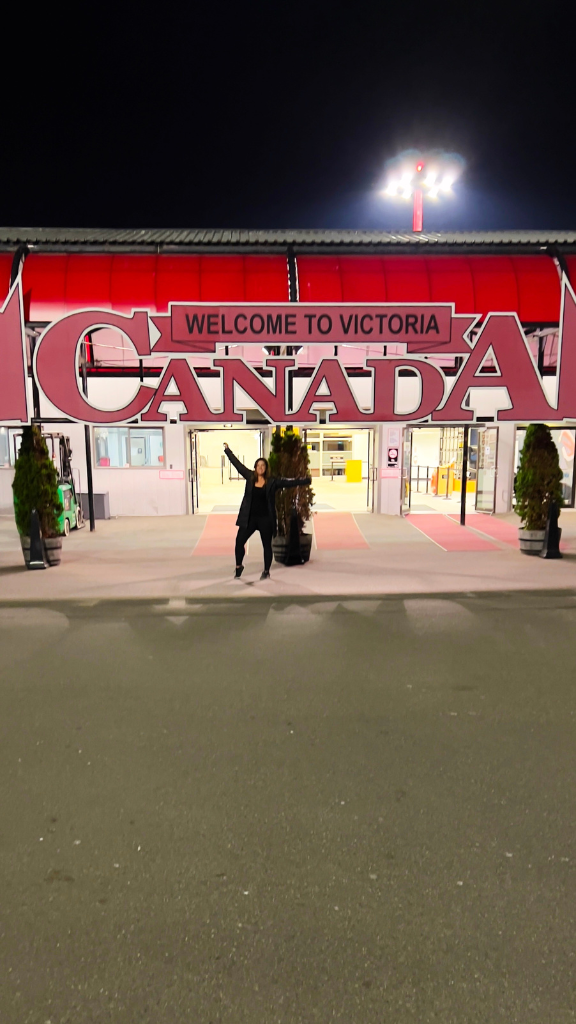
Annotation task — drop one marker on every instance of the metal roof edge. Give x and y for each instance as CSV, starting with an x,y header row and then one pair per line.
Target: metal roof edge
x,y
313,242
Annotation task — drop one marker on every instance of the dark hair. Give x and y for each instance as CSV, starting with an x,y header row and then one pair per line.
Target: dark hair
x,y
266,471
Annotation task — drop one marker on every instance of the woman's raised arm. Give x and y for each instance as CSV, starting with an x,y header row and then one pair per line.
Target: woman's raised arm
x,y
243,470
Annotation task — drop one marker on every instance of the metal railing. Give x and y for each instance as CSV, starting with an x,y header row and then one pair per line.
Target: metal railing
x,y
421,480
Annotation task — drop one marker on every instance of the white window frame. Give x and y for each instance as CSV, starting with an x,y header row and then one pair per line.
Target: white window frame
x,y
129,427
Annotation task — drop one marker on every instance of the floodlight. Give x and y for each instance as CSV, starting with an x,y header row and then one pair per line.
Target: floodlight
x,y
421,175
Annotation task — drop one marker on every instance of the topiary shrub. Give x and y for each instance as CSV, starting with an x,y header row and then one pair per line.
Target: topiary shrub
x,y
35,485
289,458
539,478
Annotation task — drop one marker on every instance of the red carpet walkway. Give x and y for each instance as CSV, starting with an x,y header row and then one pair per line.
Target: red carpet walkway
x,y
496,528
448,534
217,537
337,531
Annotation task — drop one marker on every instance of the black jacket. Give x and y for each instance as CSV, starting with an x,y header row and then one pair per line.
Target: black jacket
x,y
273,484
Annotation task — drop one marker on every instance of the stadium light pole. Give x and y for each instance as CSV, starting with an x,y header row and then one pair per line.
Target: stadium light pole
x,y
416,179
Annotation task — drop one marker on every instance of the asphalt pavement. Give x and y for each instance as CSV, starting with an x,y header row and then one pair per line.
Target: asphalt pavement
x,y
284,811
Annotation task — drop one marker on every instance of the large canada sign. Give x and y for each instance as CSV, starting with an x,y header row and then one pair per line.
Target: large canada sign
x,y
188,329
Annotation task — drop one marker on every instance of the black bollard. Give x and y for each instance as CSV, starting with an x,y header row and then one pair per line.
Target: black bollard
x,y
551,546
36,546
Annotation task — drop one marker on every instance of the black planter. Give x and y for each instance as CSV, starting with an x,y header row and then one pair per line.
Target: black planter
x,y
287,553
51,551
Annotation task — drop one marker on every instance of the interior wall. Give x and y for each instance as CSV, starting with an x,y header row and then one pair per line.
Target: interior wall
x,y
426,447
244,443
6,478
505,466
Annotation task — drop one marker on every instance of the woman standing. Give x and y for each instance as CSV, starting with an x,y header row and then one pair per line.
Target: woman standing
x,y
258,508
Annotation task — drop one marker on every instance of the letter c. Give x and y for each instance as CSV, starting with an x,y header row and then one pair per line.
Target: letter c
x,y
56,367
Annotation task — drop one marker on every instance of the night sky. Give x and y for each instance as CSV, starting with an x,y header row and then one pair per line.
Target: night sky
x,y
282,115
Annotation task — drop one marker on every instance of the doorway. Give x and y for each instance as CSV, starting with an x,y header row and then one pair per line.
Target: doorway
x,y
432,468
214,483
343,468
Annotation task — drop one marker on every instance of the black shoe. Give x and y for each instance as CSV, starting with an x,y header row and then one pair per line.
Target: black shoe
x,y
239,571
265,575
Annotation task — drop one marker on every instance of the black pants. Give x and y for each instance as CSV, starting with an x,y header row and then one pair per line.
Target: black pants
x,y
264,527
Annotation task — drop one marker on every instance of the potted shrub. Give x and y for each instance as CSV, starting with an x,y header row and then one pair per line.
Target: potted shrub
x,y
35,487
289,458
538,483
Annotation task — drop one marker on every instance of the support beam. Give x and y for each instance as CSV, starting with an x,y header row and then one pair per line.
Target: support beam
x,y
88,445
464,477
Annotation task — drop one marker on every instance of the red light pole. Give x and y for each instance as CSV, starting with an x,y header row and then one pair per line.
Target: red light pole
x,y
431,176
418,208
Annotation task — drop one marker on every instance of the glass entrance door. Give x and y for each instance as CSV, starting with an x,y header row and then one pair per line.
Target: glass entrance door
x,y
193,477
215,483
487,469
342,461
372,470
406,469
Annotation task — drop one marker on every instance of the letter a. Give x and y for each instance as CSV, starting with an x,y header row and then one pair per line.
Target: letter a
x,y
339,392
501,332
566,373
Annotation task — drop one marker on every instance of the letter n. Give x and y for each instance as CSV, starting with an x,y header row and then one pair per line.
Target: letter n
x,y
13,362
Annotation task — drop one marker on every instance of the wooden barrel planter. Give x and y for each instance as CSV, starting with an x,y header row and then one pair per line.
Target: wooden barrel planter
x,y
53,549
298,555
531,541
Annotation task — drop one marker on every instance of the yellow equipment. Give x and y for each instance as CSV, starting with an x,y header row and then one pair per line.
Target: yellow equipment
x,y
354,471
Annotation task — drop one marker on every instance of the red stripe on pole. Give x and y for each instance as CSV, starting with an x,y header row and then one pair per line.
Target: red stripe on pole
x,y
417,217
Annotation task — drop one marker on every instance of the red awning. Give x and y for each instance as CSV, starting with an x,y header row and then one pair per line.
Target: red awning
x,y
59,284
527,285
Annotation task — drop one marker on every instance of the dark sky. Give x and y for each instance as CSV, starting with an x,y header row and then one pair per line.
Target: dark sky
x,y
283,114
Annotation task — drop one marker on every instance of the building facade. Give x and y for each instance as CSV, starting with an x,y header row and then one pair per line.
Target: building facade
x,y
369,309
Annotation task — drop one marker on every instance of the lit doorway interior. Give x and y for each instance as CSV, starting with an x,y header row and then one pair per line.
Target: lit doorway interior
x,y
432,469
215,485
342,467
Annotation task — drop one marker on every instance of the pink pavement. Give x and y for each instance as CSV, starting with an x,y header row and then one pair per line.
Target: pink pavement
x,y
157,558
448,534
